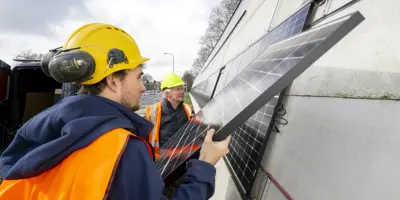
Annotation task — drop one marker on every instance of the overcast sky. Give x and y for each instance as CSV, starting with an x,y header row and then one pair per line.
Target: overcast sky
x,y
158,26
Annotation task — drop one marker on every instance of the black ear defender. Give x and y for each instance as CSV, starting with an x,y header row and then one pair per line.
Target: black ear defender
x,y
74,65
71,65
44,63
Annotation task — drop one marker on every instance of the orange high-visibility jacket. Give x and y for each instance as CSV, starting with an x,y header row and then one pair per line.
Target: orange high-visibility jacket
x,y
72,180
153,114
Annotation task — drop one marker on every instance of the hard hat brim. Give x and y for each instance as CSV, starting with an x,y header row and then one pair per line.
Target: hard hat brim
x,y
172,86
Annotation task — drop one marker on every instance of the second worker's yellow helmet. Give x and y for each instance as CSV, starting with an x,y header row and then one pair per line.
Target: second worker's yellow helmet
x,y
99,49
171,80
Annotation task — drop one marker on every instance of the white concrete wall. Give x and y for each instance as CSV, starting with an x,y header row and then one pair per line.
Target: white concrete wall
x,y
333,148
337,148
366,63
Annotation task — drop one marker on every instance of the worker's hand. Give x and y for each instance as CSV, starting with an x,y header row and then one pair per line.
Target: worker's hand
x,y
212,151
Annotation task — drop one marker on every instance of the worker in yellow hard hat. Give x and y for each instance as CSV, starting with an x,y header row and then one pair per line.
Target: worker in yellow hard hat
x,y
168,116
93,145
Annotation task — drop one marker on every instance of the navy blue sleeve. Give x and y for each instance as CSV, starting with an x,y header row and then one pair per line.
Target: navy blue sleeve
x,y
137,177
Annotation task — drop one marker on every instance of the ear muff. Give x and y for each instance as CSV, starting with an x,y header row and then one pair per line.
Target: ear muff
x,y
44,63
71,66
74,65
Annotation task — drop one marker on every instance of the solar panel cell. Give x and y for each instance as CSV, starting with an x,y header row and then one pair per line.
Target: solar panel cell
x,y
249,135
249,55
234,69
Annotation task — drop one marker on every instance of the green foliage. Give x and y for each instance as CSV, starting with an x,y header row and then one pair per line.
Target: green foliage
x,y
187,99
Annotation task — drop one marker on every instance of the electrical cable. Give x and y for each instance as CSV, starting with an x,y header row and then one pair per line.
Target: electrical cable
x,y
279,120
277,184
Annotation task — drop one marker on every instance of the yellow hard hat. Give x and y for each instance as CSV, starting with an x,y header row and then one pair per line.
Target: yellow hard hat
x,y
91,53
171,80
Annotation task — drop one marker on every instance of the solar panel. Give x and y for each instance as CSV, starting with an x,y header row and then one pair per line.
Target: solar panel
x,y
256,84
249,140
202,92
288,28
291,26
247,145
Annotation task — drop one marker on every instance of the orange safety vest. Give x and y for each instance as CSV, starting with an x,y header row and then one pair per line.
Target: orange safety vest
x,y
153,114
72,178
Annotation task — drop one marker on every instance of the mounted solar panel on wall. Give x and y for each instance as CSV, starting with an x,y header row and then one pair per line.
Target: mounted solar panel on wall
x,y
203,91
291,26
249,140
259,82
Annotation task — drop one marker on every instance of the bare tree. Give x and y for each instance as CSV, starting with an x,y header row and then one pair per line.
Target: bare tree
x,y
197,65
217,22
229,6
188,78
28,54
149,82
202,56
147,78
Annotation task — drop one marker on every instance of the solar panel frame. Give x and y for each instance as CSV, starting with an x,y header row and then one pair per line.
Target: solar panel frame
x,y
228,124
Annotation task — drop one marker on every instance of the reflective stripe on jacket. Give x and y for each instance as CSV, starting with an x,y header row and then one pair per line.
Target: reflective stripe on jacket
x,y
153,114
72,178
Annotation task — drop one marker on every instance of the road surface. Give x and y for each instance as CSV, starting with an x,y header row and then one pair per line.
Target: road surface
x,y
148,100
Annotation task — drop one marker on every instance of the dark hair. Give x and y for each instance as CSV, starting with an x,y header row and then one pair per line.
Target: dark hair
x,y
97,88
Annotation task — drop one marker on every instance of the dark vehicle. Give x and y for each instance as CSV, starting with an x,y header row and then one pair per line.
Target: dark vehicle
x,y
24,92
